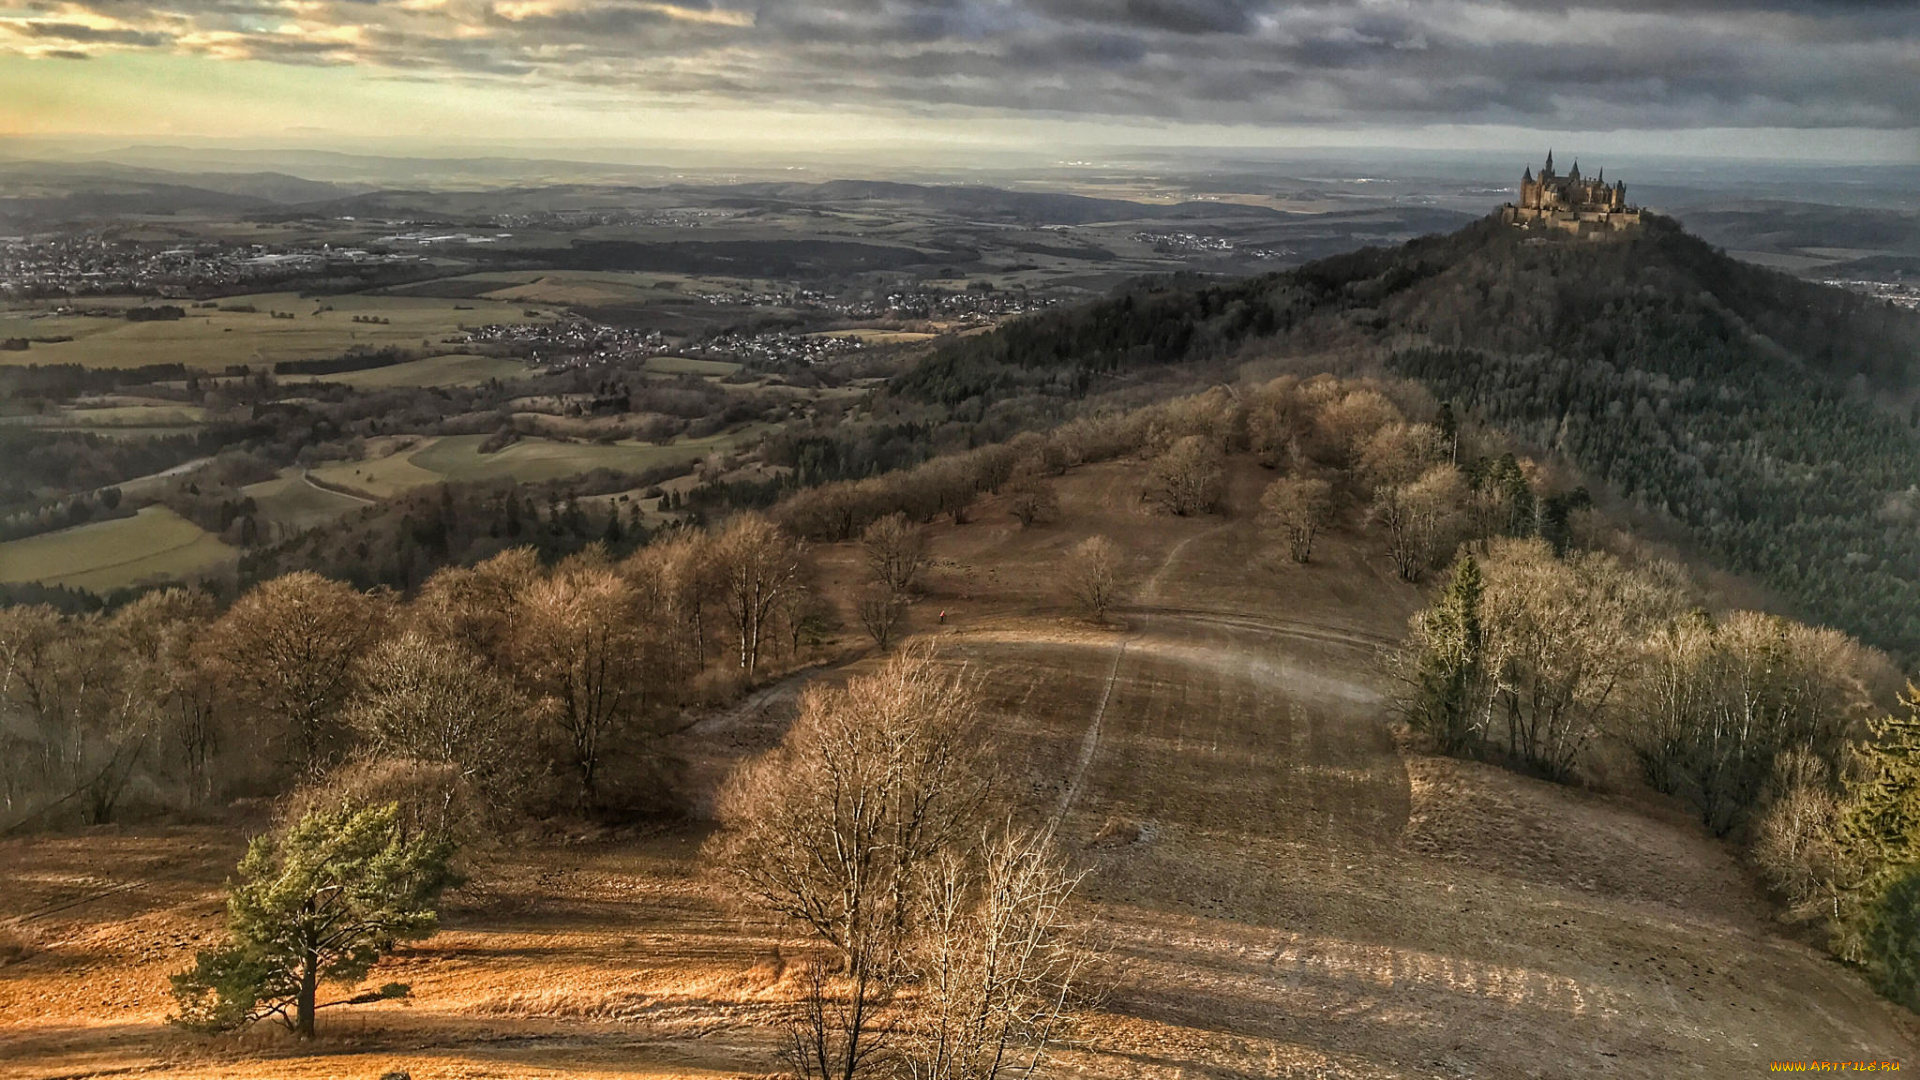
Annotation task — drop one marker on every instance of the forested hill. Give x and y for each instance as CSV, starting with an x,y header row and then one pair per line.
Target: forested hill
x,y
1751,407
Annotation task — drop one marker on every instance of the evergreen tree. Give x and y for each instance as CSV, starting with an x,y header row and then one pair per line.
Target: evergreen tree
x,y
1893,939
1448,667
1883,824
323,901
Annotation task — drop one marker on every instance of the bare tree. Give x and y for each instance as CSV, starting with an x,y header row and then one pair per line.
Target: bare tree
x,y
881,613
1092,578
435,701
1421,519
286,651
1190,478
1298,508
896,552
1030,495
835,829
581,656
78,719
757,564
996,959
677,577
162,631
1560,640
473,606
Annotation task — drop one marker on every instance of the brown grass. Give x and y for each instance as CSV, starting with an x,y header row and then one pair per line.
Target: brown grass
x,y
1284,890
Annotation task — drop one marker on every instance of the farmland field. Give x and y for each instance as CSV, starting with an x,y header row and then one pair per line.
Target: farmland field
x,y
452,369
457,457
290,504
212,339
687,365
387,470
1284,889
154,544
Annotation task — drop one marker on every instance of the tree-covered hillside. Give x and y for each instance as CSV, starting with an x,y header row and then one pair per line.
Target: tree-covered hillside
x,y
1755,409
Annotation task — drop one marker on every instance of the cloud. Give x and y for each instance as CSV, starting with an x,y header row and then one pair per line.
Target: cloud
x,y
1592,64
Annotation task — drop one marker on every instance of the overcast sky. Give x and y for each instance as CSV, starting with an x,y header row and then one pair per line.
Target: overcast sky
x,y
1759,76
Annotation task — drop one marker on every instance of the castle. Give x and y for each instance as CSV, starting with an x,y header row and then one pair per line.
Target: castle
x,y
1572,203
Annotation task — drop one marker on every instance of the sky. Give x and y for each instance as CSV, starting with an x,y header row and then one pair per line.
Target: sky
x,y
1801,79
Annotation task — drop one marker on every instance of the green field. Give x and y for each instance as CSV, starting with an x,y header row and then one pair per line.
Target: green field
x,y
155,544
288,504
687,365
457,457
210,339
381,477
454,369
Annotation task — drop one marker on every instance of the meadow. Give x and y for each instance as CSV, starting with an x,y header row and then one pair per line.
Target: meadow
x,y
450,369
1283,888
213,339
153,545
395,466
290,504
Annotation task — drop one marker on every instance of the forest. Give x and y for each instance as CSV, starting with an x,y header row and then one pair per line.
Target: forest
x,y
1769,418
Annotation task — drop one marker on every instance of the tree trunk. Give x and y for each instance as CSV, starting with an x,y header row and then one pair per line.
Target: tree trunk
x,y
309,987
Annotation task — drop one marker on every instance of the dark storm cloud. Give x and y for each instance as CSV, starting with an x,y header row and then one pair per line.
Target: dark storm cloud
x,y
93,35
1575,63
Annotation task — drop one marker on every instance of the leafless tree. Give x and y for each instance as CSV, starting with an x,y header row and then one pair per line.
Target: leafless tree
x,y
881,614
1297,508
1560,641
286,651
896,551
835,829
162,632
756,565
1092,578
1190,478
1030,495
996,960
677,577
473,606
1421,519
435,701
581,657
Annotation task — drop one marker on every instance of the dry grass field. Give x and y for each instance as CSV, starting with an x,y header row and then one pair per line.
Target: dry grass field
x,y
1285,889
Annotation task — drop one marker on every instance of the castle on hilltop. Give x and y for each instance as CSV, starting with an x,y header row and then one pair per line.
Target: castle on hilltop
x,y
1573,203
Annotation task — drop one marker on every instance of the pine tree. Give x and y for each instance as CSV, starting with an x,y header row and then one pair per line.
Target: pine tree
x,y
1883,825
323,901
1447,669
1877,917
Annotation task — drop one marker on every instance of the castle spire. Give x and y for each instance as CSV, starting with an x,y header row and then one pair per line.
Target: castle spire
x,y
1528,178
1548,171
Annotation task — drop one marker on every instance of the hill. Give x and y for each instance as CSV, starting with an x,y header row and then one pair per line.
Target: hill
x,y
1766,416
1287,890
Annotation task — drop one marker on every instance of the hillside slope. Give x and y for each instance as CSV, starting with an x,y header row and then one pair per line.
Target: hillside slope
x,y
1285,890
1763,414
